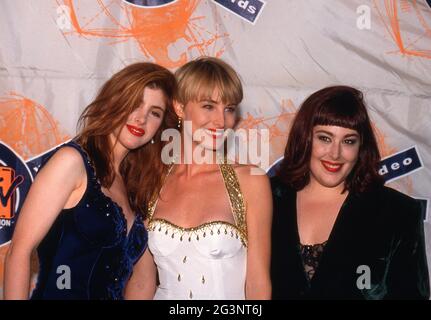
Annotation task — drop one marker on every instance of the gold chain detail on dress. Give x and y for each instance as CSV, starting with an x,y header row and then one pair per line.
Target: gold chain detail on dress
x,y
236,199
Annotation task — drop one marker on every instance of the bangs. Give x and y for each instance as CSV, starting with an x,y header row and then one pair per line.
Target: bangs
x,y
341,111
199,79
227,92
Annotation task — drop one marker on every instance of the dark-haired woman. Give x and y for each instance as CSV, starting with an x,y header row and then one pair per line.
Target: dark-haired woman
x,y
338,233
85,208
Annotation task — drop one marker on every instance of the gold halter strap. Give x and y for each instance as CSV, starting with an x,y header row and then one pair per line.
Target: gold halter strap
x,y
236,198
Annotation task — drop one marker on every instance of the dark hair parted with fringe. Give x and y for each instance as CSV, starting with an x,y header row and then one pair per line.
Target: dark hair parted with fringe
x,y
340,106
142,169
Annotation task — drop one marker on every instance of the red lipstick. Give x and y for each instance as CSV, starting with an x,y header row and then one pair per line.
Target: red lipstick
x,y
331,166
138,132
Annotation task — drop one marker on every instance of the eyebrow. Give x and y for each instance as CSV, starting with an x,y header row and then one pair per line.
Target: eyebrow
x,y
234,105
330,134
158,107
209,100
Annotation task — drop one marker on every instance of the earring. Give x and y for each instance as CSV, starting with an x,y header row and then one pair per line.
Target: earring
x,y
152,141
179,123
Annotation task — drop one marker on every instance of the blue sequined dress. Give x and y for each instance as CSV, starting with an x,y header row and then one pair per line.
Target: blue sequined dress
x,y
90,240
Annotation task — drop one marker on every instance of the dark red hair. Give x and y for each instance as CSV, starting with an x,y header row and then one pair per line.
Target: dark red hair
x,y
340,106
142,169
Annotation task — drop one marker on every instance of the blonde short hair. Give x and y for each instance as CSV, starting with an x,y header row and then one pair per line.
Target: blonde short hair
x,y
198,79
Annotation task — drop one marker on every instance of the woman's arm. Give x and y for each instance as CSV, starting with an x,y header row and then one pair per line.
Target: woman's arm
x,y
142,284
257,193
56,186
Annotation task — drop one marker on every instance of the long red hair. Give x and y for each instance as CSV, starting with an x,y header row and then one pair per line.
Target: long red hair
x,y
142,169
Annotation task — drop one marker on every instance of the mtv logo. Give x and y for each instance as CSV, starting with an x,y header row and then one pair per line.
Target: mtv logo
x,y
249,10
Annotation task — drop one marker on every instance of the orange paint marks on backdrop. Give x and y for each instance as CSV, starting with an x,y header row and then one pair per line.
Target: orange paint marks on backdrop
x,y
393,17
154,29
384,149
28,127
405,5
278,127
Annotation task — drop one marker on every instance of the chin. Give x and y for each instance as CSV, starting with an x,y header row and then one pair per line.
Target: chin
x,y
135,145
331,183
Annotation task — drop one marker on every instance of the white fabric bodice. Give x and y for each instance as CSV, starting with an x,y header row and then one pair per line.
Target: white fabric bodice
x,y
205,263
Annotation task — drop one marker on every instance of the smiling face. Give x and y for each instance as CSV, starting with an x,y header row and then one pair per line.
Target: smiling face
x,y
210,117
143,123
334,153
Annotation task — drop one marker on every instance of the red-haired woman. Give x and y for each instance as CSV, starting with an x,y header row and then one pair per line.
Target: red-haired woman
x,y
338,233
85,208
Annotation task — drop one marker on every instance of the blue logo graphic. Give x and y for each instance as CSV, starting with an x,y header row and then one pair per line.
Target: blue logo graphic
x,y
246,9
15,181
400,164
16,177
149,3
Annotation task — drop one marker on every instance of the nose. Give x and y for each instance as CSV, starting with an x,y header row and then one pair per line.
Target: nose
x,y
140,116
219,119
335,150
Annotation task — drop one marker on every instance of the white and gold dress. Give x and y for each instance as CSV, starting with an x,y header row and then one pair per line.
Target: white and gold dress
x,y
205,262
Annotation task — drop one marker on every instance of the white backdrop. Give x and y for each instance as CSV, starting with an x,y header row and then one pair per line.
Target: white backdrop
x,y
54,55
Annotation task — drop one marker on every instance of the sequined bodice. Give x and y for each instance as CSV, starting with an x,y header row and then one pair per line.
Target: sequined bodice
x,y
203,262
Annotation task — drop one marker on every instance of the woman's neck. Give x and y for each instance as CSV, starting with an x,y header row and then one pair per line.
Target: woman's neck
x,y
316,189
199,161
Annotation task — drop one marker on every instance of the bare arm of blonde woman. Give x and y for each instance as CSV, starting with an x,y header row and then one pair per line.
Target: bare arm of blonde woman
x,y
257,194
60,182
142,283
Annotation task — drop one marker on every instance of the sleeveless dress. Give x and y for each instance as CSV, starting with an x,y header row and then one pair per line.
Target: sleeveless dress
x,y
90,241
203,262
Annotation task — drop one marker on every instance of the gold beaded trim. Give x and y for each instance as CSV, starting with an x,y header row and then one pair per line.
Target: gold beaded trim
x,y
236,200
194,233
